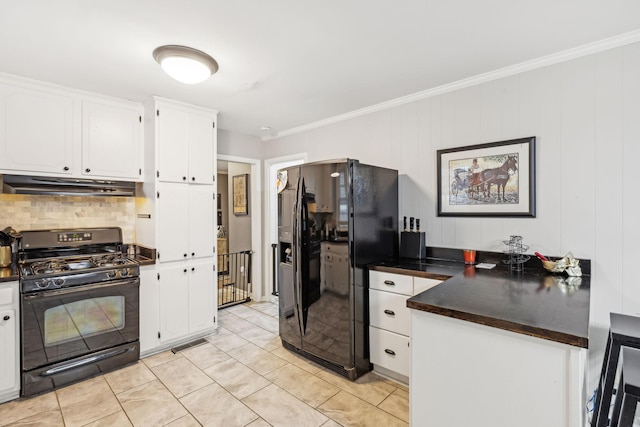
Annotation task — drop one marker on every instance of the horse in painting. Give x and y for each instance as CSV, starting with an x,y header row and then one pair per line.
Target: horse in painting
x,y
499,176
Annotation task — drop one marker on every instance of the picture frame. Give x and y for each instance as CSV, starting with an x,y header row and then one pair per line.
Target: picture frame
x,y
240,192
495,179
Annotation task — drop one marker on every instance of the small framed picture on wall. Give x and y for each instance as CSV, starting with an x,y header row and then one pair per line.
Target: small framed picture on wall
x,y
240,195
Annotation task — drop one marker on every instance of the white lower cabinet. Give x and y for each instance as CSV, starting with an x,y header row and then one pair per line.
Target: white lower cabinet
x,y
390,321
202,296
9,341
173,284
187,299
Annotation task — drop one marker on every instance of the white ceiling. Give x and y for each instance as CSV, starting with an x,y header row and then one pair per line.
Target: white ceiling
x,y
287,63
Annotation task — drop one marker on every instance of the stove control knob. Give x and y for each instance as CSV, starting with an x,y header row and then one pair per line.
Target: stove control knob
x,y
59,282
124,272
42,284
111,274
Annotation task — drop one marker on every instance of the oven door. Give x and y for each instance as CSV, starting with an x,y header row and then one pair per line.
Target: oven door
x,y
64,324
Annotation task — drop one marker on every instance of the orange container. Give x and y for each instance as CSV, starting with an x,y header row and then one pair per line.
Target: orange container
x,y
469,256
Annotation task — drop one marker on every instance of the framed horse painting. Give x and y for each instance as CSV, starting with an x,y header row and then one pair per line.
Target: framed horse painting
x,y
492,179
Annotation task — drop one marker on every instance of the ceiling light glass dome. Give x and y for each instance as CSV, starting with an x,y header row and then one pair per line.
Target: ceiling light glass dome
x,y
185,64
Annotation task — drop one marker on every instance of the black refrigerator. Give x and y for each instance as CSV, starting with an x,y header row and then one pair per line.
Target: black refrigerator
x,y
334,218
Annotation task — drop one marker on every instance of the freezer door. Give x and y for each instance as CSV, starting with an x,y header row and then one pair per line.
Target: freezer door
x,y
288,256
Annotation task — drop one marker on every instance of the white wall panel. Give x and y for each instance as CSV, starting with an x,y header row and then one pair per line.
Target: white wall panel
x,y
436,224
577,155
609,186
510,108
490,113
550,161
629,248
532,102
426,175
405,141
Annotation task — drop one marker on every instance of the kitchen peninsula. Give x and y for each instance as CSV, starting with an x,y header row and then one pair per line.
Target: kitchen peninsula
x,y
499,348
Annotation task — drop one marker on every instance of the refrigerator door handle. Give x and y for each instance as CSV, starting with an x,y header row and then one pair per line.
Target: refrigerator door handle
x,y
297,265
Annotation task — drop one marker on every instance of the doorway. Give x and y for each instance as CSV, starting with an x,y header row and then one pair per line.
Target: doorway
x,y
238,234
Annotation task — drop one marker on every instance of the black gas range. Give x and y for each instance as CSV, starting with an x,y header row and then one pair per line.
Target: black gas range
x,y
79,297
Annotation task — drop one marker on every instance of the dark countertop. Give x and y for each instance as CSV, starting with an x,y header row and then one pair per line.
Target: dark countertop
x,y
9,274
145,255
534,302
430,268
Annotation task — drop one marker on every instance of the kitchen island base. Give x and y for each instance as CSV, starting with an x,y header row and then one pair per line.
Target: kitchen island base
x,y
465,374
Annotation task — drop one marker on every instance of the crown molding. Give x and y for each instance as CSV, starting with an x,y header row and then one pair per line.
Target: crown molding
x,y
556,58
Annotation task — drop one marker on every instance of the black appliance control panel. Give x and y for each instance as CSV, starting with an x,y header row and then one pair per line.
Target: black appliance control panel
x,y
75,237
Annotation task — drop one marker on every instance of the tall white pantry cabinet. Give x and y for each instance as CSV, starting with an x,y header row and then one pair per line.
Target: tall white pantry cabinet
x,y
177,217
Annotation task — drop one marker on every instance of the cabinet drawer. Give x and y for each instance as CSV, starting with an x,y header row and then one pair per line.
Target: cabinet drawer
x,y
421,284
6,296
390,351
389,311
396,283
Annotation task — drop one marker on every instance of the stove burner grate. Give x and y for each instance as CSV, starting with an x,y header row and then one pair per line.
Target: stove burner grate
x,y
110,260
50,266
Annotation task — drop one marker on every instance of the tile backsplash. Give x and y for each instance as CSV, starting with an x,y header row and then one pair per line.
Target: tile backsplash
x,y
31,212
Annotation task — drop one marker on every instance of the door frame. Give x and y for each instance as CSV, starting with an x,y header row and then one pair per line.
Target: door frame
x,y
255,202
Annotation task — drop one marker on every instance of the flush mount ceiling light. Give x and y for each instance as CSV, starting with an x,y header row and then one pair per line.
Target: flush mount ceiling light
x,y
185,64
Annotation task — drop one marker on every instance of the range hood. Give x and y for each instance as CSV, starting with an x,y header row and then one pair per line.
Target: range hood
x,y
18,184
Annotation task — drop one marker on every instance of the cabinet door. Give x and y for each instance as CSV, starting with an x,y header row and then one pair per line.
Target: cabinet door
x,y
173,221
174,302
111,141
202,298
149,303
36,131
201,148
172,140
8,362
201,220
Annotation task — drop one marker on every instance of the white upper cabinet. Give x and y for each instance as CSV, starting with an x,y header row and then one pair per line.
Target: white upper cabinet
x,y
173,154
186,141
201,143
36,131
51,131
111,140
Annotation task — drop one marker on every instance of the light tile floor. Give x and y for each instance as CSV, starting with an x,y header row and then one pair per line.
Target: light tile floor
x,y
242,376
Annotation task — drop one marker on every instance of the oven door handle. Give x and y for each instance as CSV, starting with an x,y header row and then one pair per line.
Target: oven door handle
x,y
75,289
82,362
